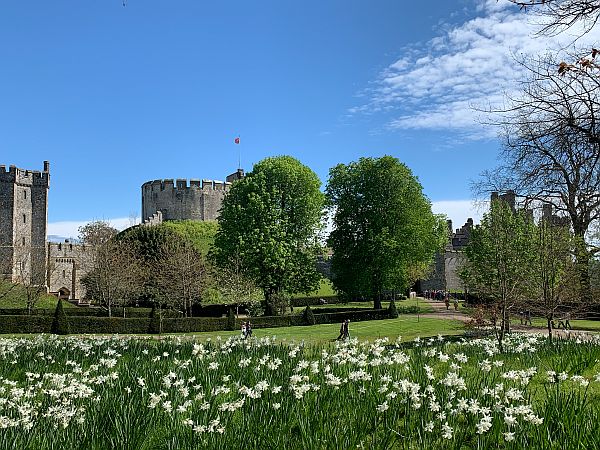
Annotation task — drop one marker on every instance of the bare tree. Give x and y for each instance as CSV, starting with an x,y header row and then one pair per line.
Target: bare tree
x,y
115,274
560,15
180,275
552,149
30,276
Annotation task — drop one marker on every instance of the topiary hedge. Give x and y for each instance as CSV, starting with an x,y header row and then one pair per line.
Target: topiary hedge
x,y
14,324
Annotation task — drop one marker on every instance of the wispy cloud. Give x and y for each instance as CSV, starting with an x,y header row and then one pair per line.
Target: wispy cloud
x,y
70,229
466,68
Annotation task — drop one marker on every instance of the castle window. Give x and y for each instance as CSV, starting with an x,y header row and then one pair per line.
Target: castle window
x,y
24,218
71,247
59,246
64,274
23,241
25,194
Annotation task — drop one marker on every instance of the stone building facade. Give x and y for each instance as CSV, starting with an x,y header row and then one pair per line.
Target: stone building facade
x,y
23,222
447,264
184,199
65,267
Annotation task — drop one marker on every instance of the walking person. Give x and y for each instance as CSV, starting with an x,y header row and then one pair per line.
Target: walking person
x,y
244,330
447,301
568,321
342,330
455,304
528,317
248,329
347,329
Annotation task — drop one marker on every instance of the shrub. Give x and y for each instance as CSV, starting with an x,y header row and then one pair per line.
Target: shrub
x,y
154,321
60,324
231,326
308,316
392,311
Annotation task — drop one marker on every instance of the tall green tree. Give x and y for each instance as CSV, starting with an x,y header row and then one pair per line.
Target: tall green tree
x,y
270,222
384,233
500,258
553,275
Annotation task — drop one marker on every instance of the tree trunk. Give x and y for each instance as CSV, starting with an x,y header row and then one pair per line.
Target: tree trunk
x,y
549,324
377,301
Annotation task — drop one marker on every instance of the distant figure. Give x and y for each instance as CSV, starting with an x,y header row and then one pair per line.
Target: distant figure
x,y
528,317
565,322
447,301
455,304
291,309
244,330
347,329
342,330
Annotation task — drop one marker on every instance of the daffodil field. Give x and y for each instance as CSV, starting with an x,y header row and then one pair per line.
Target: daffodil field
x,y
180,393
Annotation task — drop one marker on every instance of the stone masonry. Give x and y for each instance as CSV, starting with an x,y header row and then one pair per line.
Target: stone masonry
x,y
184,199
65,267
23,221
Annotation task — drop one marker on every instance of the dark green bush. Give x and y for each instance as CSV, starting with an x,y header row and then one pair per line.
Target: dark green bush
x,y
13,324
308,316
60,324
231,326
154,321
392,311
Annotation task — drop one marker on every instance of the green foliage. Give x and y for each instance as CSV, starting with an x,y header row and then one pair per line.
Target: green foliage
x,y
500,257
201,234
149,241
155,325
308,316
384,234
14,296
392,311
60,324
269,224
231,325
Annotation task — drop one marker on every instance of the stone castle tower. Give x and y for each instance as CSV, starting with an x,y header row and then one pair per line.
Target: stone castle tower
x,y
183,199
23,221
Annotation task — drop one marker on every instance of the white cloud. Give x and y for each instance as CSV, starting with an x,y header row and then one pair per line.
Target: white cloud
x,y
470,66
459,211
70,229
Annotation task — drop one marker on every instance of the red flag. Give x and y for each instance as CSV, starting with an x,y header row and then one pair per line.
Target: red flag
x,y
237,140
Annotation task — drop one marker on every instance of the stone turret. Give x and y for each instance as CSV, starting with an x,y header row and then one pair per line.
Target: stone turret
x,y
23,222
183,199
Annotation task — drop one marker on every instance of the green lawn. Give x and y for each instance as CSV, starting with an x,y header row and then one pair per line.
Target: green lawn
x,y
408,327
538,322
325,290
15,299
423,307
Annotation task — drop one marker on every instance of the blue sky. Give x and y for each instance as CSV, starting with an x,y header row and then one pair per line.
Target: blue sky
x,y
115,96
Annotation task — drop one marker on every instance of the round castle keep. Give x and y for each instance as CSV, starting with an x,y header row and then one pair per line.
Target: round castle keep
x,y
185,200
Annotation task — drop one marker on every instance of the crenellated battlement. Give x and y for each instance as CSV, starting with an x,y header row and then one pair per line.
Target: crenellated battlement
x,y
184,184
183,199
24,177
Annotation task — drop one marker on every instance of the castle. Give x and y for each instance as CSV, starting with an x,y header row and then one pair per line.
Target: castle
x,y
25,255
23,222
183,199
447,264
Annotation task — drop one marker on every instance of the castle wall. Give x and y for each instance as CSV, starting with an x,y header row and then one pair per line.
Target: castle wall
x,y
66,267
24,207
183,200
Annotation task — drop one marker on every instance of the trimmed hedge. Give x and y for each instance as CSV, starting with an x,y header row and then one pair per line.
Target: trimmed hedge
x,y
339,310
130,312
313,301
15,324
